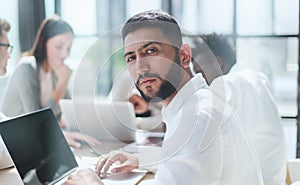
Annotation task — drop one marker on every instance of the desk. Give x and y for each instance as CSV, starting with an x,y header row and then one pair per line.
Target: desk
x,y
10,175
104,148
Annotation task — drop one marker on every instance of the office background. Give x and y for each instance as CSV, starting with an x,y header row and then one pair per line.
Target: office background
x,y
265,33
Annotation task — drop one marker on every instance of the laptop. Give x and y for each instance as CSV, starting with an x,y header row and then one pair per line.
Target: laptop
x,y
41,154
38,148
104,120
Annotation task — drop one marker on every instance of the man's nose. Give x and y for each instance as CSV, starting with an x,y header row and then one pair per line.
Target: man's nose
x,y
142,65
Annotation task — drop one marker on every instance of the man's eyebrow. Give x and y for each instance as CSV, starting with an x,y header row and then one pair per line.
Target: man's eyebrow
x,y
128,53
143,46
148,44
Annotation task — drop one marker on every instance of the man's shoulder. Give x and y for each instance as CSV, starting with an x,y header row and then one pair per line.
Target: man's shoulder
x,y
240,80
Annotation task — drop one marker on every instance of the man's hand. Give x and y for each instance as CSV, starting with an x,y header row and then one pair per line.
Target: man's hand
x,y
62,122
73,138
85,176
128,162
140,105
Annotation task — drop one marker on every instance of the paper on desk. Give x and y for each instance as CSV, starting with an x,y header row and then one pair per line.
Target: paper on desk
x,y
125,178
86,162
89,160
147,182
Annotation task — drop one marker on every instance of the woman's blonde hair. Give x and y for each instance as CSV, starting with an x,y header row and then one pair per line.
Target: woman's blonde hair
x,y
4,26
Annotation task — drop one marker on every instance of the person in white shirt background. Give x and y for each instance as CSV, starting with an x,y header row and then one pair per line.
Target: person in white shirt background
x,y
249,93
204,142
5,51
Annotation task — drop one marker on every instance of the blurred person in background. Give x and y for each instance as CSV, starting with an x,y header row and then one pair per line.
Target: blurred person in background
x,y
41,77
5,52
249,93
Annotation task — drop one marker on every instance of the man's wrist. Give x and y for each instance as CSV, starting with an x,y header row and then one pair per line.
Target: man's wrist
x,y
145,114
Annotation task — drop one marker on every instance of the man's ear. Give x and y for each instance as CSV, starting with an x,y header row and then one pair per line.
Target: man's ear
x,y
185,55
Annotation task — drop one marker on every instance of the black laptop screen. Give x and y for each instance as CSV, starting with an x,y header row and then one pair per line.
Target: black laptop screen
x,y
37,147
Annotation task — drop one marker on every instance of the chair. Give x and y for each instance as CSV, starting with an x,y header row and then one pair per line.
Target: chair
x,y
288,178
293,172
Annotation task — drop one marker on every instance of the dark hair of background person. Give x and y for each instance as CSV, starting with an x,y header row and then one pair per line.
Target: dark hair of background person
x,y
220,47
48,28
155,19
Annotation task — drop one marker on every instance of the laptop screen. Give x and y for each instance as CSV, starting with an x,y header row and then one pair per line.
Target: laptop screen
x,y
104,120
37,147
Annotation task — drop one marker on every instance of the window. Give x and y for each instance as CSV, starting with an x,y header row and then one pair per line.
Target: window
x,y
269,17
207,16
96,23
265,34
85,24
277,58
135,6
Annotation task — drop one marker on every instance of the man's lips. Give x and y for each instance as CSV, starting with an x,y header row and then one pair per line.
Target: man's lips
x,y
146,81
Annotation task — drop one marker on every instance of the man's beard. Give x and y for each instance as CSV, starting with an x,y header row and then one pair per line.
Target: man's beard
x,y
169,85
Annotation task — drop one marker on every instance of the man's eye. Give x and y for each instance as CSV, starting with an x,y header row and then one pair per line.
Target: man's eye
x,y
130,59
151,50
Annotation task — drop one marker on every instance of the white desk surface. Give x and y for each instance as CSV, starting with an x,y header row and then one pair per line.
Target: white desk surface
x,y
10,175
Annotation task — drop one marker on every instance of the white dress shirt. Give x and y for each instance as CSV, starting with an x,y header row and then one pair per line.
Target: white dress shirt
x,y
248,92
203,143
5,160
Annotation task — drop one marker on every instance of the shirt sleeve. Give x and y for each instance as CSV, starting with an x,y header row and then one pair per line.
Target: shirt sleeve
x,y
149,157
26,84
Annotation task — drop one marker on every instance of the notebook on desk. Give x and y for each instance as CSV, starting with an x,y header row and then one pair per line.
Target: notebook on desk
x,y
40,152
103,120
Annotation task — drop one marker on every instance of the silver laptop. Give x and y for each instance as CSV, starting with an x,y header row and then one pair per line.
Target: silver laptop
x,y
38,148
104,120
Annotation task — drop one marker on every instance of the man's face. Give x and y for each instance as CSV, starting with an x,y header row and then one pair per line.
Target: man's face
x,y
153,63
4,55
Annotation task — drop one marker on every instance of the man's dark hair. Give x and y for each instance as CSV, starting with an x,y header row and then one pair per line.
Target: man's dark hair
x,y
221,47
155,19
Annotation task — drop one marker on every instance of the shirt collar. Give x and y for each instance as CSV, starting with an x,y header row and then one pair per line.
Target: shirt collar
x,y
196,83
